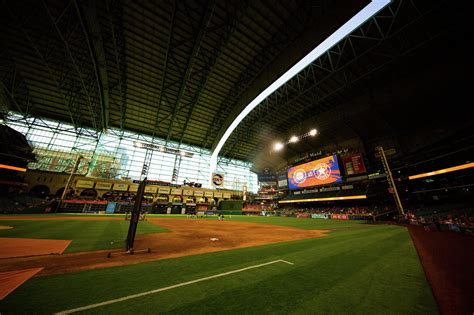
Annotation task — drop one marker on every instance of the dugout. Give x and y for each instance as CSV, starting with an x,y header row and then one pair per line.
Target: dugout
x,y
190,205
177,205
161,204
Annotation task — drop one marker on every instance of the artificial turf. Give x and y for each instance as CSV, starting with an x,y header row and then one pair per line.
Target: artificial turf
x,y
360,269
85,235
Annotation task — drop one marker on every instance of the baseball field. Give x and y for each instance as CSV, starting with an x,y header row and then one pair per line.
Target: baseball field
x,y
202,265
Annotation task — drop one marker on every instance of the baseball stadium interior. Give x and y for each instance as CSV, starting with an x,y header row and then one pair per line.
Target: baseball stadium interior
x,y
224,134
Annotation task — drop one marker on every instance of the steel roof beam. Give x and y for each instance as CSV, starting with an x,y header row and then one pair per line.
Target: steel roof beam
x,y
205,19
165,66
214,57
91,28
75,66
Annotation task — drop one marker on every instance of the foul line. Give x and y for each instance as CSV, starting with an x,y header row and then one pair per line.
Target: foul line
x,y
134,296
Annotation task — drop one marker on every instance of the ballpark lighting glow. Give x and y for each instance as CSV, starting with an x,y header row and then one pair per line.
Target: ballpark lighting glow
x,y
13,168
278,146
442,171
294,139
313,132
325,199
357,20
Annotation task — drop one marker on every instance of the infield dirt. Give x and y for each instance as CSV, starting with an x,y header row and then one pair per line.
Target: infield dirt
x,y
186,237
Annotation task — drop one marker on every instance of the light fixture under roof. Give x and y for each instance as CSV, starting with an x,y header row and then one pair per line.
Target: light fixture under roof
x,y
313,132
278,146
294,139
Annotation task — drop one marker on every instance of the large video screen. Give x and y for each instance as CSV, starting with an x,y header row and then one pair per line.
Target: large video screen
x,y
319,172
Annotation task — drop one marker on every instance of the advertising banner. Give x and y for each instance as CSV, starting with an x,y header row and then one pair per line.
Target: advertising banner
x,y
266,178
319,216
103,185
218,179
319,172
218,195
151,189
282,183
354,164
176,191
84,184
133,188
198,193
164,190
340,216
226,195
209,194
110,207
120,187
188,192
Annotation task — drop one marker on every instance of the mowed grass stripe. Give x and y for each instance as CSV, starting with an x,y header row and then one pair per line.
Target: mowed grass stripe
x,y
368,267
85,235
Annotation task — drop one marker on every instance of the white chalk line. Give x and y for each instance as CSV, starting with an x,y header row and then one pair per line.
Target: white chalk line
x,y
134,296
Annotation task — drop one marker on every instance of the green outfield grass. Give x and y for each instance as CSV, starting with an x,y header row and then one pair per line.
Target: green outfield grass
x,y
360,269
85,235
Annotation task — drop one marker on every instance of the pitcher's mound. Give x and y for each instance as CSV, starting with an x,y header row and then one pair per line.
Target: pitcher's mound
x,y
21,247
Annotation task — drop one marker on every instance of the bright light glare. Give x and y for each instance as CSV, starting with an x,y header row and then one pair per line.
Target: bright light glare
x,y
357,20
313,132
294,139
442,171
278,146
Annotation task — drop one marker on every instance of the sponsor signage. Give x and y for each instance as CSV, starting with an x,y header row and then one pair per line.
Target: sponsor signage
x,y
110,207
89,202
208,194
188,192
356,178
151,189
309,191
84,184
329,189
198,193
377,175
120,187
264,197
103,185
319,216
354,164
164,190
176,191
346,187
153,182
297,193
266,178
218,179
226,195
340,216
218,195
282,183
133,188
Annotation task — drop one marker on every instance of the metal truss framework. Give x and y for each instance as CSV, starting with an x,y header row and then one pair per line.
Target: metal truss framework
x,y
382,40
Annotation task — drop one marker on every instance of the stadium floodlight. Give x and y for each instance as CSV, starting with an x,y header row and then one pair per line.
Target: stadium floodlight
x,y
356,21
278,146
313,132
294,139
